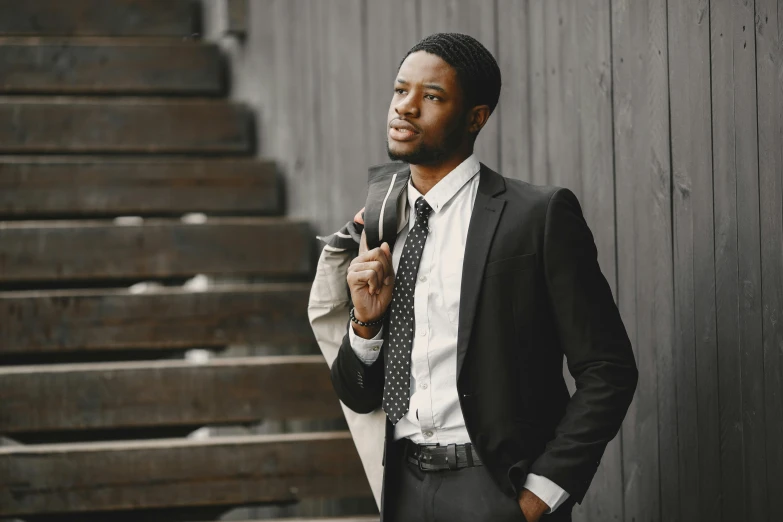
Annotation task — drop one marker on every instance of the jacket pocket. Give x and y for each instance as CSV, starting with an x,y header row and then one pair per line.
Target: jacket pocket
x,y
510,264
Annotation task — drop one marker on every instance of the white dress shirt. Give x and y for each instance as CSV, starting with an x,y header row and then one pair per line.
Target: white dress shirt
x,y
434,415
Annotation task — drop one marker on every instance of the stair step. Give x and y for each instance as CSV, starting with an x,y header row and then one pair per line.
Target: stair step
x,y
231,470
329,519
109,186
35,66
92,396
156,248
123,125
100,17
102,320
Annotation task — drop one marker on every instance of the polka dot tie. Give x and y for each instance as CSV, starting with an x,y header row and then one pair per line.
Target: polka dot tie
x,y
396,387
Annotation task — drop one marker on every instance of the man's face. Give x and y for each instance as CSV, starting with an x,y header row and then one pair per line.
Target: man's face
x,y
427,120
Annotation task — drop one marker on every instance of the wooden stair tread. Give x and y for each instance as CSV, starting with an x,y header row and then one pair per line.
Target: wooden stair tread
x,y
103,320
124,125
231,470
165,393
175,18
33,65
67,250
85,186
323,519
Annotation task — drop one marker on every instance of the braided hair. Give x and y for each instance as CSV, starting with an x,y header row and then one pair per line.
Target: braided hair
x,y
477,70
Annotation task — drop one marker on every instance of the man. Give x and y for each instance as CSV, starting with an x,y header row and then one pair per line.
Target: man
x,y
459,333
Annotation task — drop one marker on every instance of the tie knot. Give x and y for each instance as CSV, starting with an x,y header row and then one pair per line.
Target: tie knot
x,y
423,208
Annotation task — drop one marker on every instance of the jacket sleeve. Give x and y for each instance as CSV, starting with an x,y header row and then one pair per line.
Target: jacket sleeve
x,y
359,386
596,345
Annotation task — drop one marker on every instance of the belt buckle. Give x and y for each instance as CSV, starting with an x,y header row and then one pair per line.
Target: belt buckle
x,y
418,459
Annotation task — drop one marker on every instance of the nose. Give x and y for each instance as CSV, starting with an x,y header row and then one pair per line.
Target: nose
x,y
407,106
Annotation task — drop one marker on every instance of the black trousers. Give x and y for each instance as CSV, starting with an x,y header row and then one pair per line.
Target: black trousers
x,y
462,495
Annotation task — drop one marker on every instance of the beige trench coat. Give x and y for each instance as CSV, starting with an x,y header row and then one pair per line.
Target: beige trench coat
x,y
327,309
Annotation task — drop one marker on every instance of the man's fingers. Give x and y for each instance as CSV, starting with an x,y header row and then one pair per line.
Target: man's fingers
x,y
388,267
365,277
381,255
374,265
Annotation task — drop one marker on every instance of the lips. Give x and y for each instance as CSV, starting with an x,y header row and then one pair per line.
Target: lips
x,y
401,130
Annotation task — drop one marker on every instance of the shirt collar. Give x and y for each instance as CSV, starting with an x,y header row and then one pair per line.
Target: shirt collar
x,y
445,189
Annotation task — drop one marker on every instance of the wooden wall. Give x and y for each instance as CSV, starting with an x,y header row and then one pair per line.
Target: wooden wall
x,y
666,119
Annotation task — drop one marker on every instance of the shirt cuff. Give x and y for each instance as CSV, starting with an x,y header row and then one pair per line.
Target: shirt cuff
x,y
367,350
552,494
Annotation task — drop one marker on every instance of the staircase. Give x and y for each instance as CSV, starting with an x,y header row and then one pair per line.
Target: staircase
x,y
143,255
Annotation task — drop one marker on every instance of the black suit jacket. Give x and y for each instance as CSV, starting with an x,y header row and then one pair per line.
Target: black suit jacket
x,y
532,291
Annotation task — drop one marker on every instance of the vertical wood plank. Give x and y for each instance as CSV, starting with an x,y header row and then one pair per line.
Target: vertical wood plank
x,y
644,243
737,261
563,131
339,120
592,51
769,62
389,32
726,292
694,278
279,75
477,19
512,57
539,119
749,268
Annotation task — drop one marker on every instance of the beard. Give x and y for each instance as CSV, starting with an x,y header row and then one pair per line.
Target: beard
x,y
429,154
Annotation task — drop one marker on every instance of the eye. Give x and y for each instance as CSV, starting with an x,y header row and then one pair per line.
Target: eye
x,y
399,90
432,97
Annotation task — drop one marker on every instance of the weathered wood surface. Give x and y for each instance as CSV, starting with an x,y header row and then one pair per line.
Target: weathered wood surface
x,y
644,245
104,320
236,17
336,26
66,478
769,77
80,250
98,186
514,110
737,261
695,448
106,66
98,17
95,125
165,393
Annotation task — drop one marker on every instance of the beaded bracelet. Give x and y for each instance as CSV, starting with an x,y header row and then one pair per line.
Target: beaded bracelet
x,y
362,323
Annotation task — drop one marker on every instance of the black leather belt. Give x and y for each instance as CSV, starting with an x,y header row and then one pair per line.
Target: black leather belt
x,y
432,458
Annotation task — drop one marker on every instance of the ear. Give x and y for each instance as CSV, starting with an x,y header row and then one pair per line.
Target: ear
x,y
478,117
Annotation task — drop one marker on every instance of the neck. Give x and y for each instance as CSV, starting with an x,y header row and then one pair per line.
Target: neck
x,y
424,177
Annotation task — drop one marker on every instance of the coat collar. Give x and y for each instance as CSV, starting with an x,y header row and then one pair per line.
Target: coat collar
x,y
386,215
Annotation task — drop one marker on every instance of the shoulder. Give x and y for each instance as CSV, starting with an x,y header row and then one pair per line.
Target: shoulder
x,y
537,197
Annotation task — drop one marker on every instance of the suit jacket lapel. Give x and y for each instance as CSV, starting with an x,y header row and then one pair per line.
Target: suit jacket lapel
x,y
483,222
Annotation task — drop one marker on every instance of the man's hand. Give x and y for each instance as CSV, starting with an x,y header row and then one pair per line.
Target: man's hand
x,y
370,280
532,506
